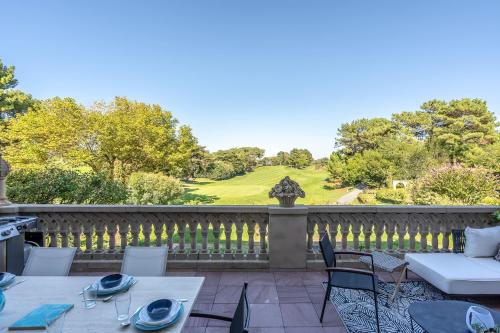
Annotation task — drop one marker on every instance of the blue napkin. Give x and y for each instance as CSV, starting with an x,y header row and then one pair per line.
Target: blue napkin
x,y
35,320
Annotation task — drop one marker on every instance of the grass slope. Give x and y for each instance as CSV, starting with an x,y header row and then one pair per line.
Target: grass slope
x,y
253,188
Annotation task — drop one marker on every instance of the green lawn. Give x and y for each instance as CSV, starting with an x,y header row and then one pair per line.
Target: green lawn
x,y
253,187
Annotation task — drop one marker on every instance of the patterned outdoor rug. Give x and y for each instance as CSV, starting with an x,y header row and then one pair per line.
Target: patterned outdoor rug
x,y
357,310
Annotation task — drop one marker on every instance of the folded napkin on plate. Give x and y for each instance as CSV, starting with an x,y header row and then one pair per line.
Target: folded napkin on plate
x,y
144,319
124,283
6,278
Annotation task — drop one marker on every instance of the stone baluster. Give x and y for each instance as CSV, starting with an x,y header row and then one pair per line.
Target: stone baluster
x,y
204,222
193,229
263,223
227,220
100,228
448,219
333,220
367,223
147,227
412,231
112,230
312,220
181,222
52,229
88,232
379,224
76,231
158,229
251,235
356,230
345,223
390,226
423,228
170,222
239,223
435,220
135,227
124,228
401,229
215,220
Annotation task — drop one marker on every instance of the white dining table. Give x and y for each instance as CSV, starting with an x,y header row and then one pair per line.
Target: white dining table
x,y
37,290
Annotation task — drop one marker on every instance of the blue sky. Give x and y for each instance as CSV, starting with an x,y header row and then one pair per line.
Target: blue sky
x,y
274,74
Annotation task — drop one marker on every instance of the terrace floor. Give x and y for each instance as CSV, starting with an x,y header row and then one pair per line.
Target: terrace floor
x,y
281,302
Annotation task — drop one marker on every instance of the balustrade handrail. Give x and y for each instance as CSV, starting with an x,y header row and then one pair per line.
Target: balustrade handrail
x,y
240,233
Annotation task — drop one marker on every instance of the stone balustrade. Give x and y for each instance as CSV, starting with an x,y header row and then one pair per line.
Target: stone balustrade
x,y
222,237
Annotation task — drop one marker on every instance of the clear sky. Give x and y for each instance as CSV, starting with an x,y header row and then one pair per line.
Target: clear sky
x,y
274,74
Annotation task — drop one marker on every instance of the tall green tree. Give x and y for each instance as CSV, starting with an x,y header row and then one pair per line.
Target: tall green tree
x,y
243,159
336,166
362,134
461,125
12,101
300,158
188,158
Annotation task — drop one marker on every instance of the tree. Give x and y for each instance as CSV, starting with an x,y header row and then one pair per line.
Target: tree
x,y
416,124
336,166
154,189
300,158
55,132
243,159
282,158
187,159
409,158
134,136
461,125
12,101
369,168
362,134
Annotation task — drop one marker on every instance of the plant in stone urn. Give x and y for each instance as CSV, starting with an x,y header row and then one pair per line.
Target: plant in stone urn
x,y
287,191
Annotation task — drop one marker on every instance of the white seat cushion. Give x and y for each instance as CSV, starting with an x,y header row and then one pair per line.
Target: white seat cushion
x,y
456,274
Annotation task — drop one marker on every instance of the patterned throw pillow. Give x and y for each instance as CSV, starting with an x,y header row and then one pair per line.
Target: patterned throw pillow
x,y
497,257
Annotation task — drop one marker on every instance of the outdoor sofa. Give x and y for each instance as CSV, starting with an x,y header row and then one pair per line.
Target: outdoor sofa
x,y
472,269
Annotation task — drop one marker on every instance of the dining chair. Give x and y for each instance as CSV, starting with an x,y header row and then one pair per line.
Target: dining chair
x,y
240,319
347,278
145,261
49,261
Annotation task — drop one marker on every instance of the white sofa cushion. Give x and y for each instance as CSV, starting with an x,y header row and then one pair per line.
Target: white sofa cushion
x,y
481,242
457,274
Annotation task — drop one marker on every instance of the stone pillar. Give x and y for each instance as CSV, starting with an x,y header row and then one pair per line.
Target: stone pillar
x,y
287,237
4,171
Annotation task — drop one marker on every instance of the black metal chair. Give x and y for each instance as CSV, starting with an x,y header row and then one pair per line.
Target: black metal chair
x,y
348,278
458,236
240,319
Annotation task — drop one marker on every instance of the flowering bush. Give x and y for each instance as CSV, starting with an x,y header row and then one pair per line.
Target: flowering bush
x,y
455,184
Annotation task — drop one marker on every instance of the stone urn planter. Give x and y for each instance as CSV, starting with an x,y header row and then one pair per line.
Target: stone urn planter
x,y
287,191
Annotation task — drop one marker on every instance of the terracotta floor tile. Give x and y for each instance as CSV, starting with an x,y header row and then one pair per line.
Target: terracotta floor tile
x,y
287,294
288,279
199,322
315,330
195,330
233,278
211,278
266,330
314,278
331,317
299,314
258,294
316,293
228,294
261,279
265,315
222,308
207,294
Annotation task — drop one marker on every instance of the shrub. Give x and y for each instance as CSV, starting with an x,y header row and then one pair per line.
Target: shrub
x,y
394,196
455,184
367,198
153,189
57,186
220,170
